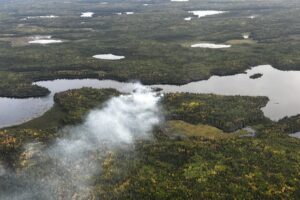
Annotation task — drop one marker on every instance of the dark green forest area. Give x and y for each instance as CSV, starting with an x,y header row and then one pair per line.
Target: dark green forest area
x,y
155,41
183,161
207,146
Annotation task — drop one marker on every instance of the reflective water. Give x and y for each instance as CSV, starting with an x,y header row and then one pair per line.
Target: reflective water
x,y
108,57
295,135
210,46
17,111
204,13
282,88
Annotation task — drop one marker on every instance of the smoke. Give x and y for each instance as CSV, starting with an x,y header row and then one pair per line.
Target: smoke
x,y
65,169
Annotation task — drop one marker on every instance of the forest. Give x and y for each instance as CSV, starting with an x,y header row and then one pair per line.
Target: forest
x,y
187,159
191,145
153,57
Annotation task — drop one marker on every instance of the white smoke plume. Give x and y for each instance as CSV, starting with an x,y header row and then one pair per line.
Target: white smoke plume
x,y
64,170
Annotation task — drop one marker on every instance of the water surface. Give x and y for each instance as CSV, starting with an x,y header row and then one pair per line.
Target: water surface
x,y
43,39
282,88
210,46
41,17
295,135
87,14
17,111
108,57
204,13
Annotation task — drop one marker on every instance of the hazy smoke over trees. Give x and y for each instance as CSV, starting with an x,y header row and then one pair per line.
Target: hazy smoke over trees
x,y
64,170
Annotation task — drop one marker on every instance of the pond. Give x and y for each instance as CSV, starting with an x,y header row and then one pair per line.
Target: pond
x,y
282,88
204,13
40,17
210,46
47,39
87,14
295,135
108,57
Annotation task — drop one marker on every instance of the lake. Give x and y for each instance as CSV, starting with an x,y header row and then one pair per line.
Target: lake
x,y
282,88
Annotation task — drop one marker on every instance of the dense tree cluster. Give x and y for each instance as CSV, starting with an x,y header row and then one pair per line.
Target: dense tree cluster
x,y
228,113
160,56
183,161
